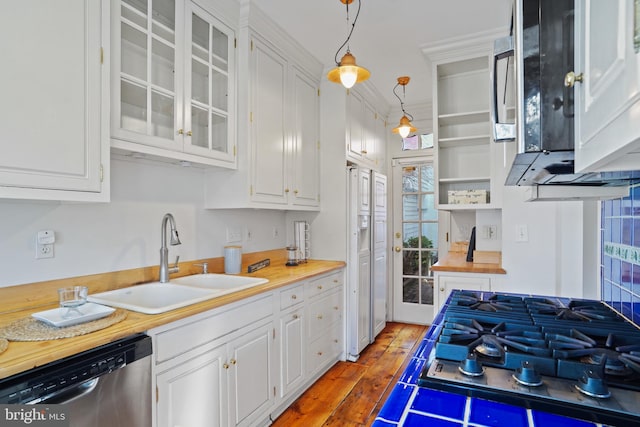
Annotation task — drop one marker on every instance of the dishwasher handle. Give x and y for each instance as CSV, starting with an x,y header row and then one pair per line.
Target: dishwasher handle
x,y
71,393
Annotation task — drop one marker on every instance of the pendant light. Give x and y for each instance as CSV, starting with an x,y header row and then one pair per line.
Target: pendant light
x,y
405,127
347,71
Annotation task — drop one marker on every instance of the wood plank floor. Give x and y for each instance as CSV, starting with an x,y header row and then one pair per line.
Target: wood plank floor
x,y
351,393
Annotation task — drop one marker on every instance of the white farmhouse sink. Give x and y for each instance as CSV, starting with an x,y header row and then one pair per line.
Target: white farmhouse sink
x,y
154,297
222,282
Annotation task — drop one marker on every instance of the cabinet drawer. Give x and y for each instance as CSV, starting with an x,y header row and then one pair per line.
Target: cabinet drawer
x,y
291,297
200,330
322,284
327,347
324,313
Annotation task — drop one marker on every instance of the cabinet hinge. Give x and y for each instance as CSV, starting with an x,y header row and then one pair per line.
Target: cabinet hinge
x,y
318,91
274,391
274,333
234,151
251,190
235,43
446,236
251,117
157,394
251,45
318,143
101,173
101,55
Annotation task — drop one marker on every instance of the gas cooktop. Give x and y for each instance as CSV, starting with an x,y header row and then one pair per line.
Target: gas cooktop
x,y
573,357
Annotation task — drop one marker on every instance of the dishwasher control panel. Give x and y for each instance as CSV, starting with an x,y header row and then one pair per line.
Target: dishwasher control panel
x,y
40,383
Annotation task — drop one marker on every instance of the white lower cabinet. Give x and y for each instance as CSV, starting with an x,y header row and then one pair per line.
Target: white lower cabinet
x,y
194,393
325,315
446,282
243,363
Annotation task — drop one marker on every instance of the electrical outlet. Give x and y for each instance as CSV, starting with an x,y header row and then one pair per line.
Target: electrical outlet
x,y
44,244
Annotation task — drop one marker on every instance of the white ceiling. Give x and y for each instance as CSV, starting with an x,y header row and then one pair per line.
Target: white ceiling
x,y
389,35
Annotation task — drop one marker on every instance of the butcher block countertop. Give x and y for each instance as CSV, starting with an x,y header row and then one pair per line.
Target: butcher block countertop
x,y
21,301
457,262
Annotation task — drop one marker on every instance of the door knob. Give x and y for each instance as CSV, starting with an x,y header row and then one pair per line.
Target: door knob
x,y
571,78
397,249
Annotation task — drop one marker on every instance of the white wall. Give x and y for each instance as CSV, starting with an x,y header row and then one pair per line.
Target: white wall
x,y
125,233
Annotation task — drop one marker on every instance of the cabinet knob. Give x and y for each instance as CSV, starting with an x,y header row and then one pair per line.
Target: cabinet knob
x,y
225,365
286,190
189,133
319,316
571,78
335,307
335,341
398,249
180,131
364,151
319,353
233,361
294,296
335,280
320,287
441,289
295,316
295,191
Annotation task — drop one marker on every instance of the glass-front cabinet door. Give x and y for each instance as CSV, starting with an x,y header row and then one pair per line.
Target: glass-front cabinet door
x,y
172,85
208,115
146,110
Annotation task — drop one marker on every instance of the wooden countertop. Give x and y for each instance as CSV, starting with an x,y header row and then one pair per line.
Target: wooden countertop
x,y
21,356
457,262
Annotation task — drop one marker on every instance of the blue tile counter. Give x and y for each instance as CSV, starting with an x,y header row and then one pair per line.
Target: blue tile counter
x,y
410,405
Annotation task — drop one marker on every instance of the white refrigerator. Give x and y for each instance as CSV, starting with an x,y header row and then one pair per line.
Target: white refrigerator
x,y
367,258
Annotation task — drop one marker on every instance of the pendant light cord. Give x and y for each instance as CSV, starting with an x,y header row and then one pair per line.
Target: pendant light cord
x,y
350,32
401,102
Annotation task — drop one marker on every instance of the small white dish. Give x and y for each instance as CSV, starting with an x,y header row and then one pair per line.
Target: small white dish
x,y
89,311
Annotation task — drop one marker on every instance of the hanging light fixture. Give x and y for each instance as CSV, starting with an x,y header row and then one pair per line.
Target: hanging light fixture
x,y
405,127
347,71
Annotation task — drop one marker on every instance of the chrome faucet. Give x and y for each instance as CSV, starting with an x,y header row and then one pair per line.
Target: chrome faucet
x,y
165,270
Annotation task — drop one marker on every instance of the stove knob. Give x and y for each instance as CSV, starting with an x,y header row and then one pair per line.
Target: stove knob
x,y
591,384
471,367
527,375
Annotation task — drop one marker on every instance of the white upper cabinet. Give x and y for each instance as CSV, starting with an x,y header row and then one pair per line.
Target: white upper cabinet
x,y
54,140
365,133
173,82
279,164
608,98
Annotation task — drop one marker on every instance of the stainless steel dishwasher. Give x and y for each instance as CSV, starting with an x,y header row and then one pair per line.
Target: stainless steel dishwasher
x,y
106,386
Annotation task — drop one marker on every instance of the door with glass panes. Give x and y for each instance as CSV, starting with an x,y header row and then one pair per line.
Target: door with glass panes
x,y
415,240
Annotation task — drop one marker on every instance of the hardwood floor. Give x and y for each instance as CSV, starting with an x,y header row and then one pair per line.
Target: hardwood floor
x,y
351,393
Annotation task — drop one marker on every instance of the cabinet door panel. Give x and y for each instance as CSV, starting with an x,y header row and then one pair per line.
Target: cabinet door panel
x,y
194,393
293,349
305,162
250,384
50,82
268,125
